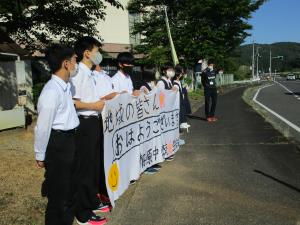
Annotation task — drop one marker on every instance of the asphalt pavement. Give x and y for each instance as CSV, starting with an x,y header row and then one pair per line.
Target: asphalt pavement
x,y
283,97
237,171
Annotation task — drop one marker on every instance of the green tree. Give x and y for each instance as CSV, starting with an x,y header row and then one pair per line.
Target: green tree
x,y
35,23
207,28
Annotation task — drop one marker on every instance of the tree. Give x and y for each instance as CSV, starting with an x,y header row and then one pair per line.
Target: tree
x,y
35,23
206,28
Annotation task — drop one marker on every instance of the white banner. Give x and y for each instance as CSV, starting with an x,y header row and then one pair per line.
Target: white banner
x,y
138,132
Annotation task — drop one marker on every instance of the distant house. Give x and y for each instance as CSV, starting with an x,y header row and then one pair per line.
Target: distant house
x,y
15,84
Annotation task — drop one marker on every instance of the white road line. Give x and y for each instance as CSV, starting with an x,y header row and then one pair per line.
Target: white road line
x,y
284,87
295,127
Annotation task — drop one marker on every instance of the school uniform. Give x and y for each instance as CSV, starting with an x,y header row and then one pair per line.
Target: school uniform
x,y
89,143
54,144
164,83
182,117
122,82
104,86
147,85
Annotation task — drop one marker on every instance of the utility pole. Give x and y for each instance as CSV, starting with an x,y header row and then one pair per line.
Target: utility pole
x,y
253,59
257,56
270,63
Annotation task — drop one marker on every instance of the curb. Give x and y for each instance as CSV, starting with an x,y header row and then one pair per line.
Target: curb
x,y
285,129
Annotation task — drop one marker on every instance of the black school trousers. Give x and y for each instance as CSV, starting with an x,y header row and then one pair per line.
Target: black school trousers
x,y
59,178
90,165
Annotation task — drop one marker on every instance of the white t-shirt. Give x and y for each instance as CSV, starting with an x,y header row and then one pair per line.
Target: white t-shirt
x,y
122,82
83,87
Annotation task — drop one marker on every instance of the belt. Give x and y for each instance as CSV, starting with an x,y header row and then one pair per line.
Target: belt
x,y
89,117
73,131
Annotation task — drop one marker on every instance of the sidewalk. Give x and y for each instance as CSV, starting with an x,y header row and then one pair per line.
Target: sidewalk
x,y
236,171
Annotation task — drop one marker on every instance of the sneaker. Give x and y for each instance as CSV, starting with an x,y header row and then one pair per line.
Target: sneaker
x,y
104,199
132,182
102,208
94,220
209,119
150,171
169,159
157,167
184,126
214,119
181,142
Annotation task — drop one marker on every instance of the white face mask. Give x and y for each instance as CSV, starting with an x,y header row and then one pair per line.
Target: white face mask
x,y
211,67
170,74
97,58
75,71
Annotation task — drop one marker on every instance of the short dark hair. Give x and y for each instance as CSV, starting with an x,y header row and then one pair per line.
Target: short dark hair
x,y
211,61
125,58
167,66
148,73
83,44
56,54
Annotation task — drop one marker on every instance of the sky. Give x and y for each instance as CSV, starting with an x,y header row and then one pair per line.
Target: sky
x,y
276,21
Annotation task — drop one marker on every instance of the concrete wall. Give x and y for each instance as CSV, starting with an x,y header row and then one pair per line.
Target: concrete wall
x,y
8,86
15,93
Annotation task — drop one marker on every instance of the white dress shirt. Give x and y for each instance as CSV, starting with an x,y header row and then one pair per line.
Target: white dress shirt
x,y
161,84
122,82
104,85
55,111
83,87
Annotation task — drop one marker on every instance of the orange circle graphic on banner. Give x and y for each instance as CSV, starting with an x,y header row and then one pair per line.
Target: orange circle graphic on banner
x,y
162,99
170,148
114,177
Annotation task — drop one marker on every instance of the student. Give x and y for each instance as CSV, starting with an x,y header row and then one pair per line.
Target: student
x,y
179,73
89,135
148,79
105,91
165,83
122,80
168,73
54,141
104,84
148,84
208,79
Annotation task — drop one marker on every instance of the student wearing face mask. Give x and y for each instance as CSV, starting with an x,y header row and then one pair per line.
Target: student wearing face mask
x,y
179,74
148,84
89,135
165,83
54,141
208,78
122,79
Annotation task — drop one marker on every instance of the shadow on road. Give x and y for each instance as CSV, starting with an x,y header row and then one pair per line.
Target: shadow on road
x,y
278,181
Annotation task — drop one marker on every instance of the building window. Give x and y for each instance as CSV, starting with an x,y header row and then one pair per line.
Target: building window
x,y
134,18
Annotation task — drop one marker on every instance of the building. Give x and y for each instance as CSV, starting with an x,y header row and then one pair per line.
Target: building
x,y
116,30
16,98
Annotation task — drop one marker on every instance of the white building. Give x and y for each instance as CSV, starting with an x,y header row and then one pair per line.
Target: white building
x,y
116,29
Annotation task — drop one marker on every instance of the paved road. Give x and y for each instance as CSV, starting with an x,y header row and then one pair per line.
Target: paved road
x,y
283,98
238,171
